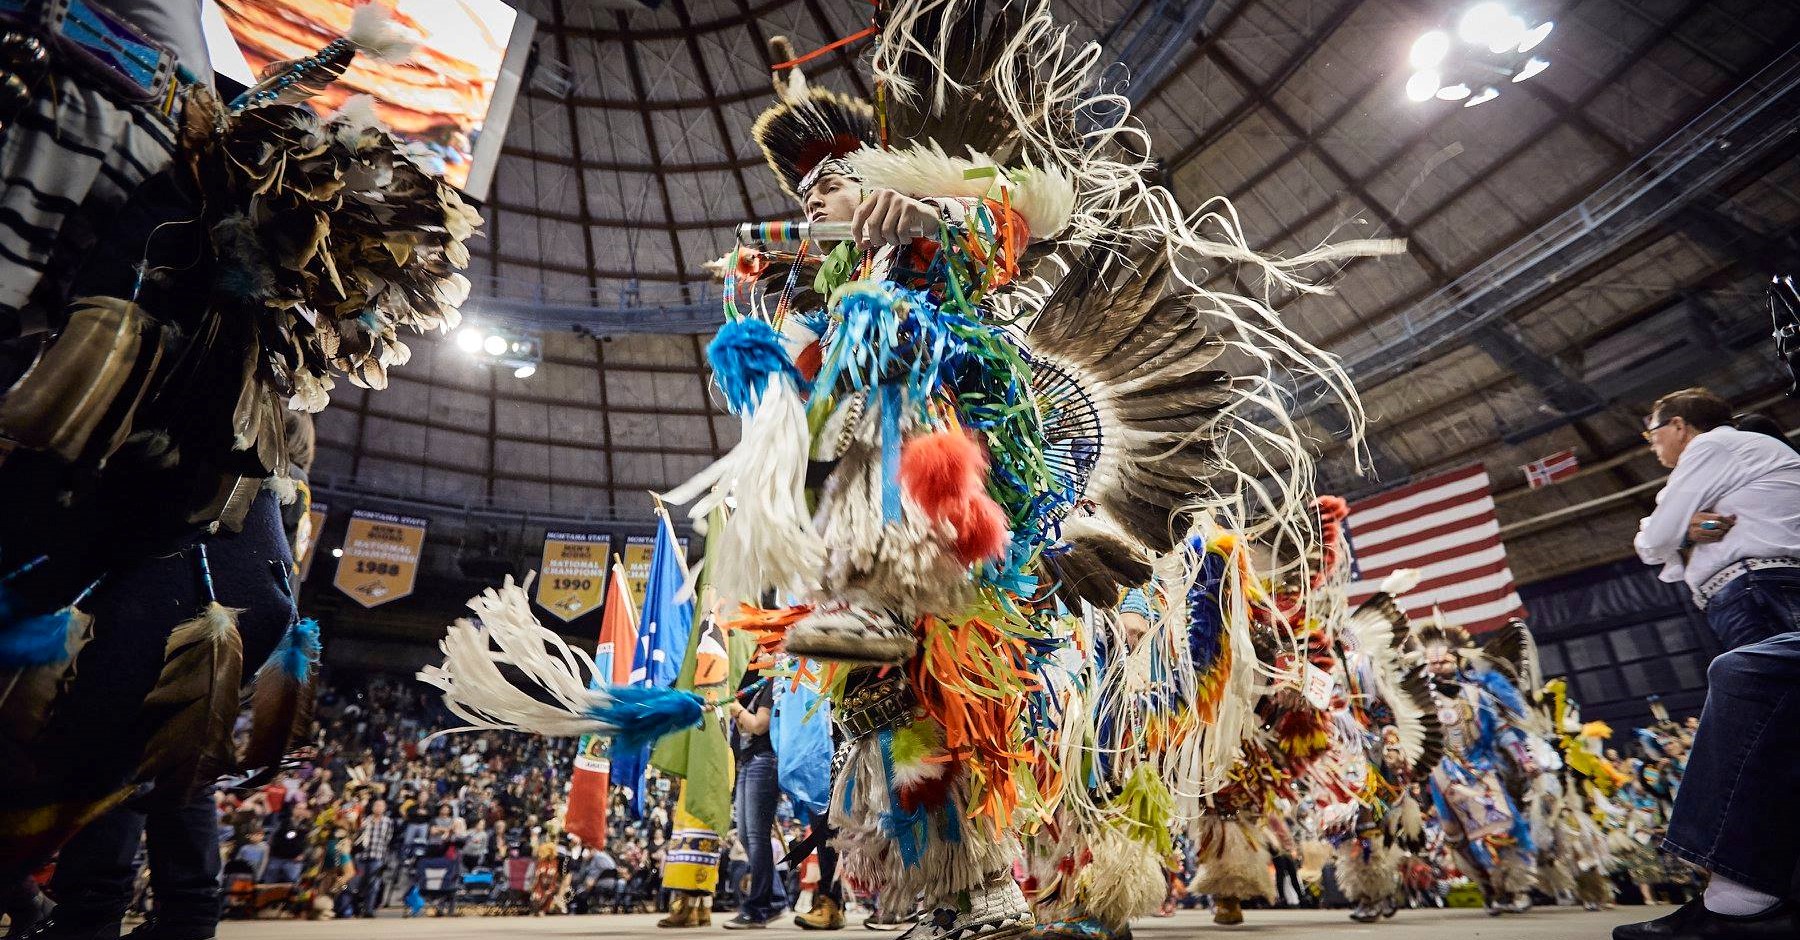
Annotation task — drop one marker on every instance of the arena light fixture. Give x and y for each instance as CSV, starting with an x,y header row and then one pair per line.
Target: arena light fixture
x,y
499,345
1422,86
1487,94
1465,61
1485,23
1531,68
337,553
1428,51
1535,36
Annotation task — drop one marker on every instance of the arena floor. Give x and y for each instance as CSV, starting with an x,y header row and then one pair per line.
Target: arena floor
x,y
1547,923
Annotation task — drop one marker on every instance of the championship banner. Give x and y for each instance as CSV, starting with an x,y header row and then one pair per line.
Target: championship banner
x,y
381,557
572,576
308,542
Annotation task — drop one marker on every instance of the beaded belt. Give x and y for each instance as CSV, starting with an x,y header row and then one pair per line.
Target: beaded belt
x,y
126,62
1731,572
882,705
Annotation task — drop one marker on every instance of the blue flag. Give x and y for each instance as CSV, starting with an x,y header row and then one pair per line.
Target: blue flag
x,y
663,628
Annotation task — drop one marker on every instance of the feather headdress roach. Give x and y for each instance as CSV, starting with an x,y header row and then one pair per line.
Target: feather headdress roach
x,y
807,126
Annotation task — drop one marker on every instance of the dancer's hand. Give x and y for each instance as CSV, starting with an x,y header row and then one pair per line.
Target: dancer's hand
x,y
886,217
1709,527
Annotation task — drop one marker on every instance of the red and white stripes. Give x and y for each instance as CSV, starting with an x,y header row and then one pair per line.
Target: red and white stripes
x,y
1446,527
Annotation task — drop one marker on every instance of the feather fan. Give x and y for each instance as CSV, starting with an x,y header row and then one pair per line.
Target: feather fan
x,y
559,696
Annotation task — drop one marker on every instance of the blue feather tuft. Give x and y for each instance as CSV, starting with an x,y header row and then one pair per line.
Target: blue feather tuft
x,y
644,713
1206,620
298,650
28,639
746,355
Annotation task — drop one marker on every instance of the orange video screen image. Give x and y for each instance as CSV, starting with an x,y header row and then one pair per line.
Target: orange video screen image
x,y
439,97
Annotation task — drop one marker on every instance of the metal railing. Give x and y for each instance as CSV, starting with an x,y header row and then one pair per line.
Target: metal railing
x,y
529,304
374,494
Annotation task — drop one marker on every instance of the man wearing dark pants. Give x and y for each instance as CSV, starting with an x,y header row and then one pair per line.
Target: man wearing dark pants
x,y
98,868
372,843
757,794
1728,524
134,612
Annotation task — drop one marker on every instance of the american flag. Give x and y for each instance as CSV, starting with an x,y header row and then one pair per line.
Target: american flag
x,y
1552,469
1444,526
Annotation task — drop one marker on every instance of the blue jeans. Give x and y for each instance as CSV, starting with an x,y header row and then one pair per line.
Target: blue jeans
x,y
1736,813
757,793
283,871
1755,606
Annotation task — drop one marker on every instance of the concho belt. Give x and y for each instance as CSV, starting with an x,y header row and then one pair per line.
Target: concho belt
x,y
883,705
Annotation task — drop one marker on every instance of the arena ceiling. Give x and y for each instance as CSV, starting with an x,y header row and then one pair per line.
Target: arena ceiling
x,y
1591,238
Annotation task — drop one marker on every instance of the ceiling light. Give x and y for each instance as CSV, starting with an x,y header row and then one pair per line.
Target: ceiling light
x,y
525,372
1483,22
337,553
1535,35
1531,68
1509,33
1487,94
494,345
468,340
1422,85
1455,92
1429,50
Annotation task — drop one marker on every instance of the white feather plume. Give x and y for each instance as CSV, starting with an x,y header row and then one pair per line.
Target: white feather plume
x,y
505,631
1043,196
1400,581
769,541
374,32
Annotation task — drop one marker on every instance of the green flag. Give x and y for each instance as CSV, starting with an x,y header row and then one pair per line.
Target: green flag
x,y
709,667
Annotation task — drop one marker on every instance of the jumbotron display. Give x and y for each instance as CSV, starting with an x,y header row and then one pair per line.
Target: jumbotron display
x,y
451,96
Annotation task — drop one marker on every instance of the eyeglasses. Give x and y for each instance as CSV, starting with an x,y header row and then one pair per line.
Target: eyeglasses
x,y
1647,431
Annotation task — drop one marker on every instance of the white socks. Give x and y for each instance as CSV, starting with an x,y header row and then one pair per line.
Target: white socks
x,y
1724,896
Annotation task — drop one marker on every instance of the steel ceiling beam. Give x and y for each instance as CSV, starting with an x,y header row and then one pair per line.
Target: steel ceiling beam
x,y
1310,142
1149,54
1257,95
704,74
1743,125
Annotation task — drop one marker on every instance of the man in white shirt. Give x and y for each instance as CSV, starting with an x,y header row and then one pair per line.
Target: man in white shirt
x,y
1728,524
1729,519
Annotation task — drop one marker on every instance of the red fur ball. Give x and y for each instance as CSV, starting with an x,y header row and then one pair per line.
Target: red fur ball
x,y
981,529
942,468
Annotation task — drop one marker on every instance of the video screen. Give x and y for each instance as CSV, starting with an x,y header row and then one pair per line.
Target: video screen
x,y
451,95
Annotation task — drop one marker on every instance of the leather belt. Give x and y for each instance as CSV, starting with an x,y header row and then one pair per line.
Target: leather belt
x,y
882,705
1713,585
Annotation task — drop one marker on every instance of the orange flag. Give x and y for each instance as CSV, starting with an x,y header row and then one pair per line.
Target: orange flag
x,y
590,787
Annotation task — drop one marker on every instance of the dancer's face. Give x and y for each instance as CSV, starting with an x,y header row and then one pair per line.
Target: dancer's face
x,y
1441,660
832,199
